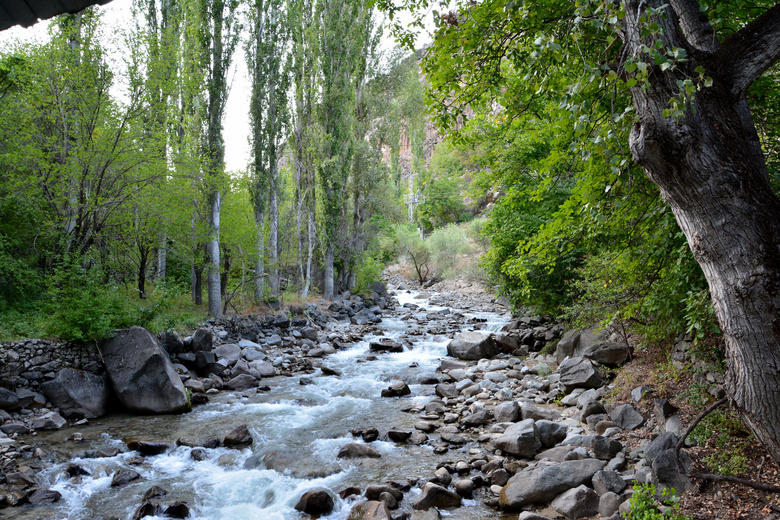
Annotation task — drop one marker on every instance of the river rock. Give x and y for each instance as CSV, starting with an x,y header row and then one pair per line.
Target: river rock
x,y
49,421
520,439
577,503
178,509
241,382
436,496
579,373
238,437
171,341
315,502
264,368
396,389
374,492
447,390
663,442
355,450
666,473
603,448
124,476
371,510
609,354
385,345
551,433
606,481
8,400
148,448
78,394
464,487
202,340
543,483
229,352
44,496
397,435
142,375
627,417
507,412
472,346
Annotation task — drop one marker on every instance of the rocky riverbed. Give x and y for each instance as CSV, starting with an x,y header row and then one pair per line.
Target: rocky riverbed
x,y
411,405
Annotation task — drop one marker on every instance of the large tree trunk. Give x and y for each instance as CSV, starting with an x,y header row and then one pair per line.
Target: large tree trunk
x,y
215,294
162,257
312,240
711,171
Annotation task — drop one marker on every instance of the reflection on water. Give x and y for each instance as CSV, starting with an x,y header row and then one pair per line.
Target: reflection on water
x,y
301,427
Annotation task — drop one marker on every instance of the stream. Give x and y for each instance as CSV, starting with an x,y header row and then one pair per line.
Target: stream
x,y
301,425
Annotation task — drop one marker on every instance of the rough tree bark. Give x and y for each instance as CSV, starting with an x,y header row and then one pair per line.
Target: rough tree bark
x,y
710,169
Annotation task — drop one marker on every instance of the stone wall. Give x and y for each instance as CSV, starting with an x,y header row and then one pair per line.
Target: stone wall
x,y
30,362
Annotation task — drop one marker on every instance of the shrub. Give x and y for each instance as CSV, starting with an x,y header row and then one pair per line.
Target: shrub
x,y
367,272
646,506
446,245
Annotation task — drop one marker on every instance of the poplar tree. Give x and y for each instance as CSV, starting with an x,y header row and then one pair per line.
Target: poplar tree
x,y
343,28
268,62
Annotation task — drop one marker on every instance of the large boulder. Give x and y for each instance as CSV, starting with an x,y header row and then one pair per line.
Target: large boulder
x,y
579,372
142,375
78,394
578,343
544,483
579,502
520,439
434,495
609,354
8,400
472,345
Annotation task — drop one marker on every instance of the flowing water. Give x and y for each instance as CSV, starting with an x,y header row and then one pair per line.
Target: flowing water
x,y
302,426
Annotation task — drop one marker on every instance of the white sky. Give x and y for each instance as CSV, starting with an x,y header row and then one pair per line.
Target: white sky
x,y
236,123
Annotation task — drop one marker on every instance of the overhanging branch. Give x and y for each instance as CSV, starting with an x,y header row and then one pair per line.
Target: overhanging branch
x,y
749,52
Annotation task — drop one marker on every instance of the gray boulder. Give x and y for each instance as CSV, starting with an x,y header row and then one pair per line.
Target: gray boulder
x,y
576,503
371,510
436,496
666,473
544,483
264,368
579,372
665,441
202,340
142,375
609,354
315,502
520,439
8,400
229,352
603,448
471,346
171,341
507,412
241,382
577,343
627,417
78,394
49,421
551,433
608,481
354,450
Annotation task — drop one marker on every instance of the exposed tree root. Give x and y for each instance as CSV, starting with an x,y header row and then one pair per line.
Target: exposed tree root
x,y
711,476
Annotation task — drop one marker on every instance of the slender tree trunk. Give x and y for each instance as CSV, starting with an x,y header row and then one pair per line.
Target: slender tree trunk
x,y
215,293
142,264
273,233
711,171
328,282
260,259
197,284
162,257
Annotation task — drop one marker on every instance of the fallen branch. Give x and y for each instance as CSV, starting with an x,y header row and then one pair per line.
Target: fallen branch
x,y
711,476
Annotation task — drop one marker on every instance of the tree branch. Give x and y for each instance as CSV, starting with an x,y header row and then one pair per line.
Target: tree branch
x,y
749,52
695,26
709,476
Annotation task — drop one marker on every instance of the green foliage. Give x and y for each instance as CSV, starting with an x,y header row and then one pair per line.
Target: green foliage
x,y
83,307
446,246
727,463
645,504
407,241
367,272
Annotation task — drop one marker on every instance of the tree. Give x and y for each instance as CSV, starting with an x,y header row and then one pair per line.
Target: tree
x,y
344,25
686,69
269,66
217,37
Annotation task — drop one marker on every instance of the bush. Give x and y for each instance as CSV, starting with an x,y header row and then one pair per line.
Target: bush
x,y
644,504
446,245
83,307
367,272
